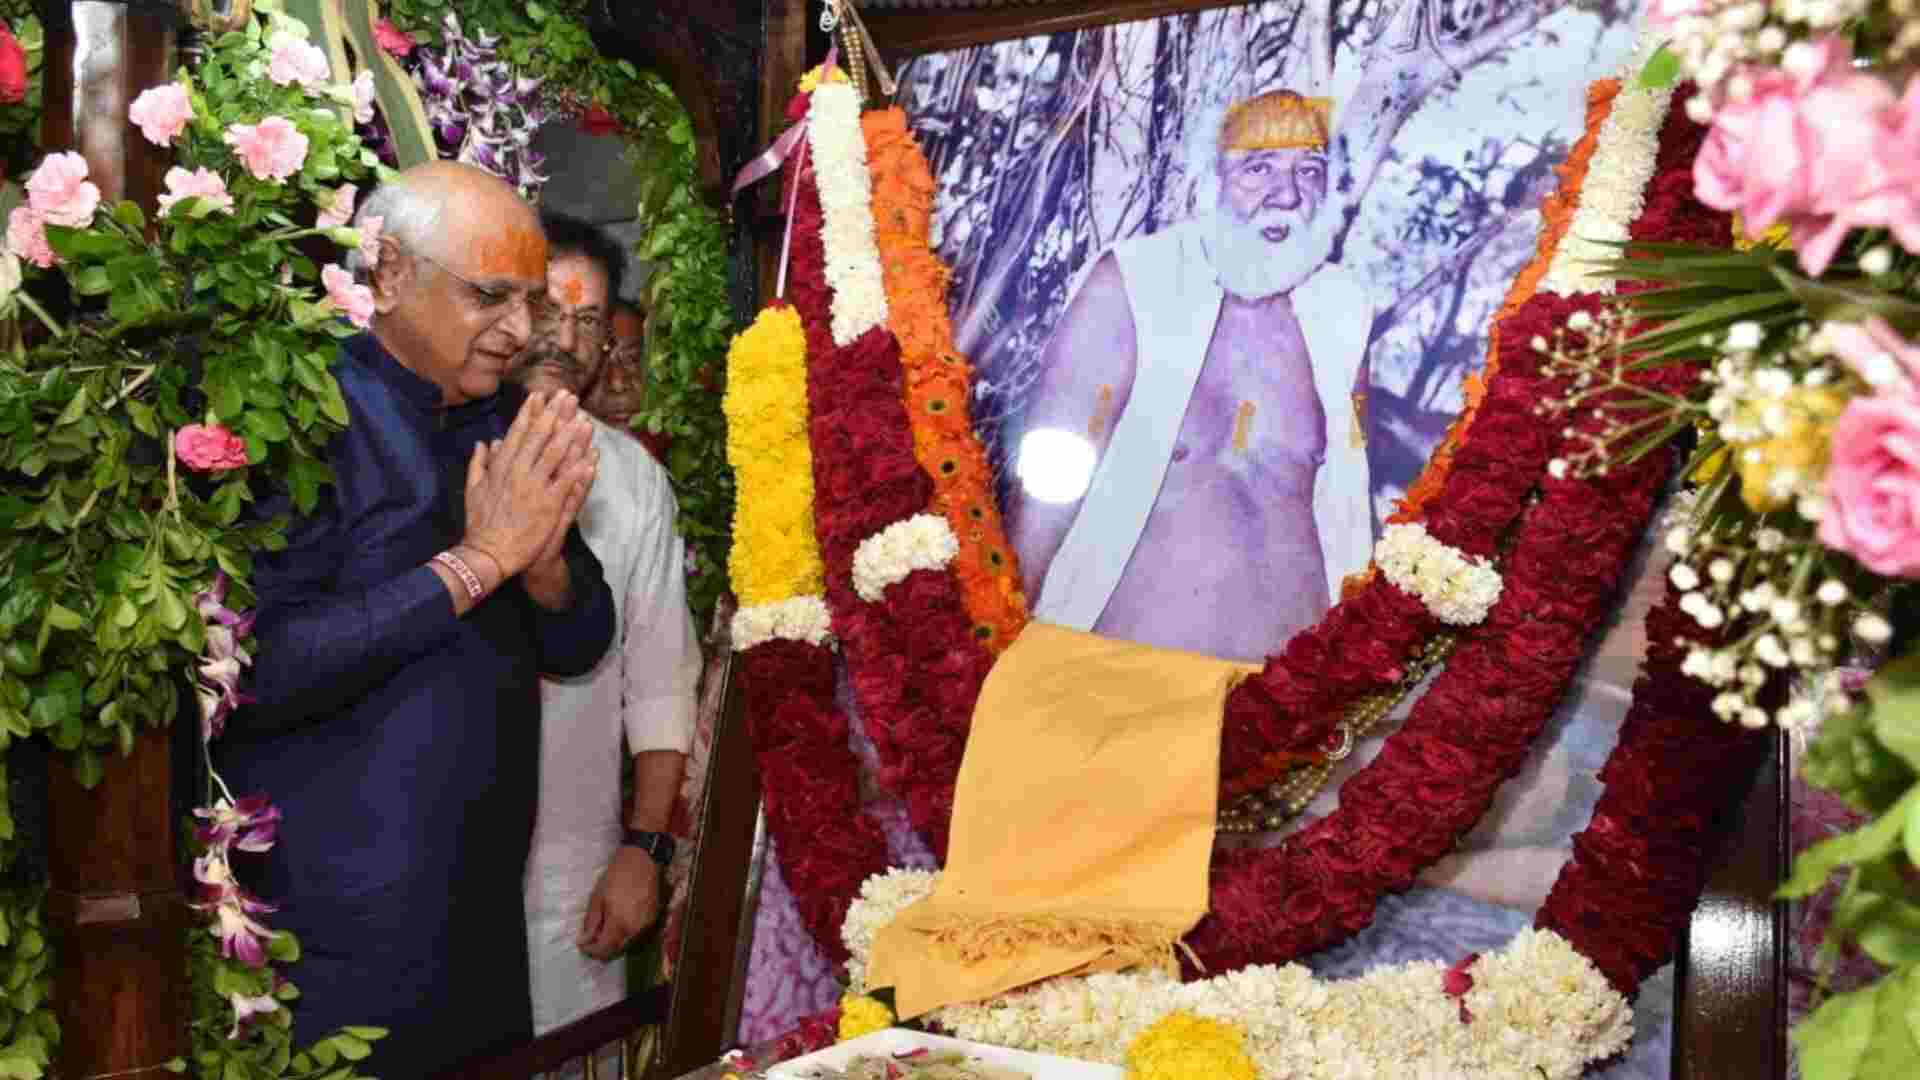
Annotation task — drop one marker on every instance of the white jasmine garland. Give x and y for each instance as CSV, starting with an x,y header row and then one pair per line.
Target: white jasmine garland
x,y
1458,590
1613,192
1538,1007
799,618
846,205
921,542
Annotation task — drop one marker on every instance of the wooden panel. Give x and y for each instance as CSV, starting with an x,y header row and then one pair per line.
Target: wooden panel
x,y
1731,1018
709,976
585,1036
901,34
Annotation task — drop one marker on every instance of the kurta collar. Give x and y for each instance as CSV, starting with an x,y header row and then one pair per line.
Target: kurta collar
x,y
424,394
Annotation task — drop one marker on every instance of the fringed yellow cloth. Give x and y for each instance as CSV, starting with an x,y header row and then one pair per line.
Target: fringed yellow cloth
x,y
1082,821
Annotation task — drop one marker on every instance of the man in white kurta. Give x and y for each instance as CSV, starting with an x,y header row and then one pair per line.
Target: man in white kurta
x,y
1193,473
594,875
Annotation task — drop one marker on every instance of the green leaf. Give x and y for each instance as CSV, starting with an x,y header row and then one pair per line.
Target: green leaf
x,y
351,1048
63,618
284,948
1834,1038
130,215
361,1031
1871,841
92,281
87,768
1662,70
1829,302
83,245
1893,700
76,408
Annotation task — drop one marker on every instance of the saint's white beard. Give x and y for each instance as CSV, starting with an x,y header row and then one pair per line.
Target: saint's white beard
x,y
1252,267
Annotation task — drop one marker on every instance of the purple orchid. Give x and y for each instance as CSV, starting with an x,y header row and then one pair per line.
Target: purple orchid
x,y
249,824
481,111
241,938
246,1008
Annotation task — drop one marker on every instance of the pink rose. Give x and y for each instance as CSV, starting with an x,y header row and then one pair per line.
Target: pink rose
x,y
363,98
340,210
27,237
60,190
392,38
295,60
1873,485
202,183
1663,13
370,230
354,301
209,448
273,149
1875,352
162,112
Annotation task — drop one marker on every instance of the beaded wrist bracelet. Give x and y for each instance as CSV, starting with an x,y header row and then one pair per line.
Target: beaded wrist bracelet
x,y
464,572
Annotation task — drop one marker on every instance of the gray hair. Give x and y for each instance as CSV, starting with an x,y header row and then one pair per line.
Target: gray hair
x,y
410,212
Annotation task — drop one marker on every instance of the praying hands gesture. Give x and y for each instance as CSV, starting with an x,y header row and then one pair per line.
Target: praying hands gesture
x,y
524,492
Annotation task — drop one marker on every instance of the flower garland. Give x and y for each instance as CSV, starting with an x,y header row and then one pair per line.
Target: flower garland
x,y
1612,198
1556,217
921,542
939,380
1476,725
1535,1006
912,657
846,201
774,564
1458,589
810,779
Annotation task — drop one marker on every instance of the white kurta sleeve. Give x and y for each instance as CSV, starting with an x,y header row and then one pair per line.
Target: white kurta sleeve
x,y
660,649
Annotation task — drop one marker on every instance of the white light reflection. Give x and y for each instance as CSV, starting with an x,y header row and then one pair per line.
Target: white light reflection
x,y
1054,465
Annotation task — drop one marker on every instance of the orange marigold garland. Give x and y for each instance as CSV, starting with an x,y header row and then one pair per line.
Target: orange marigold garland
x,y
1556,216
939,380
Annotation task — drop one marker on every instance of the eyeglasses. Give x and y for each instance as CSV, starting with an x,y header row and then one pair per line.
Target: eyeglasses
x,y
586,321
487,295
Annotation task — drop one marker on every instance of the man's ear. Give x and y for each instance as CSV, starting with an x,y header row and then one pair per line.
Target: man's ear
x,y
392,276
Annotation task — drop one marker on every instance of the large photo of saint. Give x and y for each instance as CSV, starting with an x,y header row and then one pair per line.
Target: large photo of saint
x,y
1222,277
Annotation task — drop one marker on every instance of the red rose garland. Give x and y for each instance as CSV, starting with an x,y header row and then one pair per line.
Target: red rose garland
x,y
810,784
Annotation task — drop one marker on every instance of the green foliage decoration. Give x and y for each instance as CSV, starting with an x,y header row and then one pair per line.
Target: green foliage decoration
x,y
199,315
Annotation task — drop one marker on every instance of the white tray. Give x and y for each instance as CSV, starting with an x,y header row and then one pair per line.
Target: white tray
x,y
901,1041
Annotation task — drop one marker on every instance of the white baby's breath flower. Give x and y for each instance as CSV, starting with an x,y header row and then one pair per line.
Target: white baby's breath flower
x,y
1831,593
1873,629
1684,577
1877,261
1720,570
1745,337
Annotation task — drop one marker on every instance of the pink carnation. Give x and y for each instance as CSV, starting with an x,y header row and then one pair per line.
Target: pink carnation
x,y
1873,485
295,60
354,301
340,210
273,149
363,98
27,237
209,448
392,38
201,183
60,190
162,112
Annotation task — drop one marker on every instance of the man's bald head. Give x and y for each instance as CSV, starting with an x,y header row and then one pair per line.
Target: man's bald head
x,y
460,257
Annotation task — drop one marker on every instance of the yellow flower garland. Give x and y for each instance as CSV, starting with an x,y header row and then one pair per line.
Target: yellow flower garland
x,y
1182,1046
938,381
862,1015
774,556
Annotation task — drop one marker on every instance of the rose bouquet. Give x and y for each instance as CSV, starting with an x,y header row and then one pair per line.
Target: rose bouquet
x,y
1798,547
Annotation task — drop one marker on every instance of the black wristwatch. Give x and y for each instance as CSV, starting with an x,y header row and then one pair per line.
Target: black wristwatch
x,y
657,845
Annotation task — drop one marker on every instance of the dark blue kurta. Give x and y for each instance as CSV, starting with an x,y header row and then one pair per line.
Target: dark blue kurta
x,y
402,743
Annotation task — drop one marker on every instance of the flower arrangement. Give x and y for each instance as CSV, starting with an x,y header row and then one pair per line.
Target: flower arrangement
x,y
483,111
1625,894
167,370
1794,557
921,542
1535,1007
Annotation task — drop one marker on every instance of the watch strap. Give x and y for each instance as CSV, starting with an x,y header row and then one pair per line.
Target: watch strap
x,y
657,845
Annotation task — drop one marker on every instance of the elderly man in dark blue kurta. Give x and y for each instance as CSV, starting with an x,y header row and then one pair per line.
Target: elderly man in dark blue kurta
x,y
403,631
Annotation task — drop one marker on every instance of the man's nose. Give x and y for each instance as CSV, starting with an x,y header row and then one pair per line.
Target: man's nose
x,y
565,334
519,321
1283,193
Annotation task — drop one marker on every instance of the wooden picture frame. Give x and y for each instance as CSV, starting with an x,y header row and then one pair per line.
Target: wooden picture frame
x,y
1730,1019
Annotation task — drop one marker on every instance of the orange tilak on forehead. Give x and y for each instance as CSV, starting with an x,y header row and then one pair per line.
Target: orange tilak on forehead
x,y
514,251
567,285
